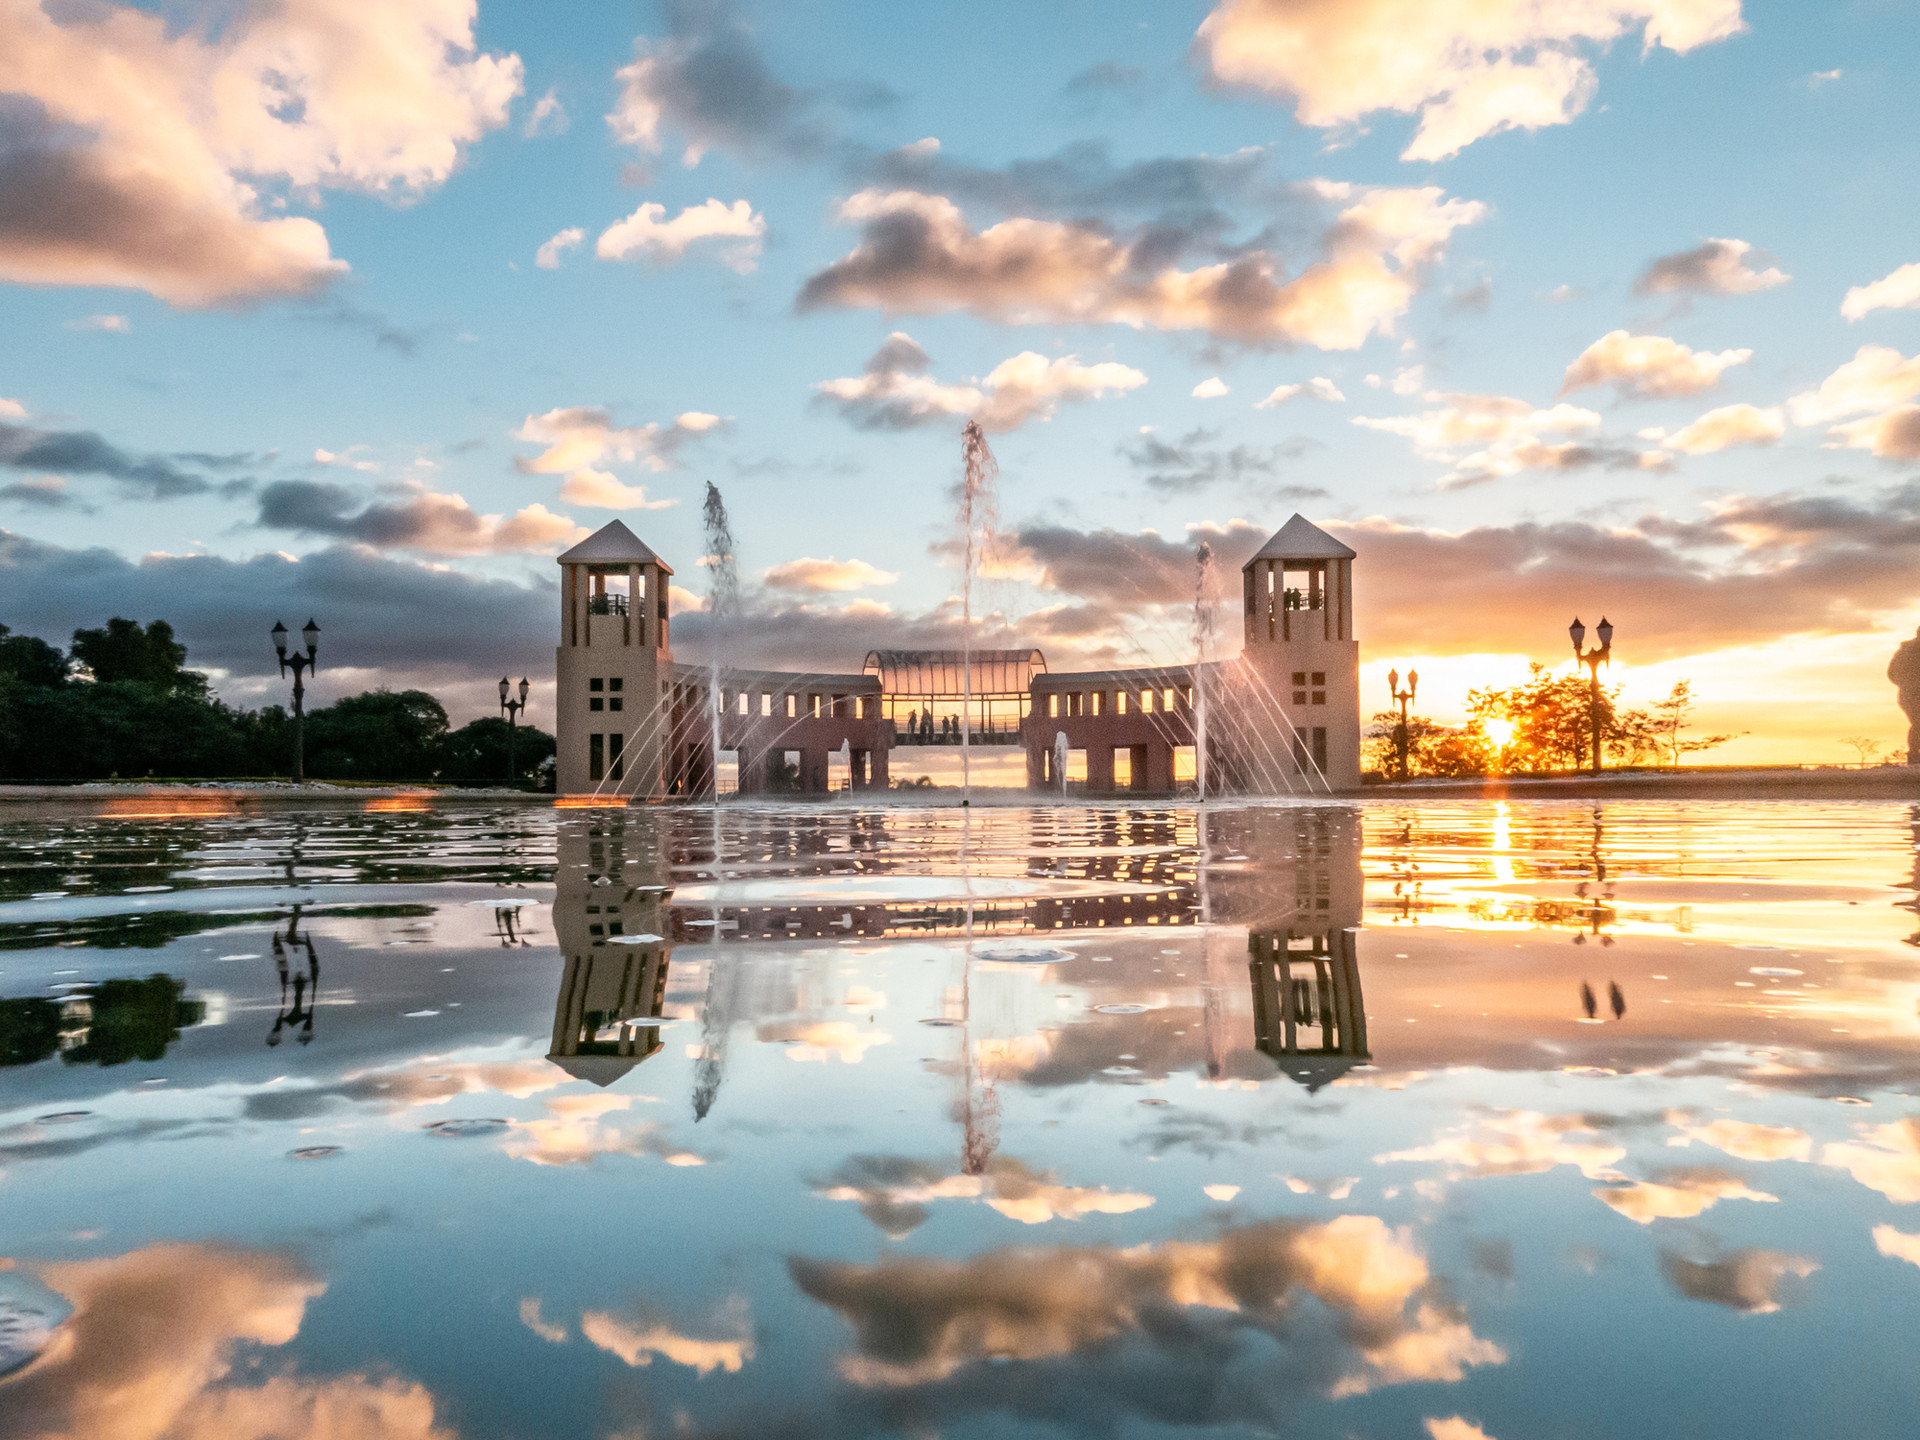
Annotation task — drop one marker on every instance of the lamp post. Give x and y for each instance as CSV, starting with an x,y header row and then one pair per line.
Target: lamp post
x,y
512,708
1593,659
310,633
1404,698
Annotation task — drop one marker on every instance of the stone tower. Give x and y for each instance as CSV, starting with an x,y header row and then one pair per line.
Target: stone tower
x,y
610,709
1301,656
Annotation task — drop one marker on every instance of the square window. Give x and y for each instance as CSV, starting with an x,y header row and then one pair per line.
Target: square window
x,y
1319,697
614,703
596,684
616,683
1299,697
1319,678
1299,677
596,703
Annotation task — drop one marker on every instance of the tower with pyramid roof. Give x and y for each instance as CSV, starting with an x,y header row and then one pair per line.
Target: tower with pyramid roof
x,y
610,708
1301,654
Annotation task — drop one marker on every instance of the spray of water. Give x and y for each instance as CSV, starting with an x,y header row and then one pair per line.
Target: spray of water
x,y
1203,609
978,516
723,604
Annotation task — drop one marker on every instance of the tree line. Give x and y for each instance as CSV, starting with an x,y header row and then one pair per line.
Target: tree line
x,y
120,702
1543,724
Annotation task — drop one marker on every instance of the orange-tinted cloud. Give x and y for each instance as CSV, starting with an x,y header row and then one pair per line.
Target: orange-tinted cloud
x,y
1648,366
896,393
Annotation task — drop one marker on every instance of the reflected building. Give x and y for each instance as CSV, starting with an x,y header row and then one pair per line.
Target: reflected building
x,y
610,922
1303,922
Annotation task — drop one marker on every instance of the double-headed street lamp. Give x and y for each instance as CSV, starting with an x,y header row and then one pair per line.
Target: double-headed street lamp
x,y
1593,659
309,632
512,709
1404,697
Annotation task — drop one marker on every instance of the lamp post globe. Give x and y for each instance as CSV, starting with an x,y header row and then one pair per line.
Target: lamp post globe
x,y
504,687
1579,634
511,708
301,664
1601,654
279,633
525,686
1605,632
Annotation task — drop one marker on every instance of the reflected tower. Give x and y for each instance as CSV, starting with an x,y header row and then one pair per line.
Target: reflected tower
x,y
610,920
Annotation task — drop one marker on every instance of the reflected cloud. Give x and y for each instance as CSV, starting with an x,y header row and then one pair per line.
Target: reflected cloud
x,y
530,1317
1518,1142
1897,1243
1454,1427
1746,1280
637,1344
1742,1140
431,1080
1678,1195
153,1343
1889,1161
1154,1329
894,1192
573,1134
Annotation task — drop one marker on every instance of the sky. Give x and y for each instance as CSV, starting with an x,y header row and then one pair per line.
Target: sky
x,y
1547,307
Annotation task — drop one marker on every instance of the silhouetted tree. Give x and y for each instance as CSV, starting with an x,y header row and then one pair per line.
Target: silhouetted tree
x,y
478,750
122,651
381,735
30,660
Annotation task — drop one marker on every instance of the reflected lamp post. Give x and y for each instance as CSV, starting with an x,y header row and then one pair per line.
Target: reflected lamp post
x,y
1601,654
310,633
1403,698
512,709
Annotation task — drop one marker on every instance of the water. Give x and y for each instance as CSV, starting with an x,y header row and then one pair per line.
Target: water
x,y
977,519
723,608
998,1137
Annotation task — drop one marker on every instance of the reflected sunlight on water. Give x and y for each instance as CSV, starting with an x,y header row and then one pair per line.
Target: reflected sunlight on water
x,y
1325,1119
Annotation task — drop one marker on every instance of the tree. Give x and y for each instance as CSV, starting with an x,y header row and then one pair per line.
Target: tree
x,y
122,651
30,660
1864,744
379,735
1669,718
1551,718
1432,748
478,751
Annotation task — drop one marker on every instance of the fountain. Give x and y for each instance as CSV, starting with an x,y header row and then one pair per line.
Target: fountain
x,y
1203,608
977,519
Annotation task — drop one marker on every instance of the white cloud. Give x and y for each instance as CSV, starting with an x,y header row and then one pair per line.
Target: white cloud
x,y
12,409
1877,378
549,117
1714,267
548,1331
820,576
1897,1243
1822,77
111,324
1210,389
548,256
1726,427
1454,1427
1897,291
344,459
1318,388
648,235
919,255
1409,381
639,1344
139,128
1648,366
1468,71
578,438
1680,1197
896,393
1502,435
1889,1161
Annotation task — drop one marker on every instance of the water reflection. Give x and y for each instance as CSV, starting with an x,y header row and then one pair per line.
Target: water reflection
x,y
110,1022
306,984
609,919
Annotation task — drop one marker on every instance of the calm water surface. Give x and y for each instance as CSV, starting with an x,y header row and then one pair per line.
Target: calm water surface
x,y
1355,1120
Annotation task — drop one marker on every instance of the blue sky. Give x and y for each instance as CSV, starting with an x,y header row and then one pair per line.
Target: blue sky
x,y
1768,556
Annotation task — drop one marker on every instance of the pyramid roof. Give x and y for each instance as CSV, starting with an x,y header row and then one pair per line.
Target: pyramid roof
x,y
613,544
1301,539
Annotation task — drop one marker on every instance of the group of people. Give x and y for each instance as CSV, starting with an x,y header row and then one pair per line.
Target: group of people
x,y
920,728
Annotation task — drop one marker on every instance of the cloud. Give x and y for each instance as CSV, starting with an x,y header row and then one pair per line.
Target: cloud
x,y
1517,1142
1679,1195
821,576
458,627
1084,93
637,1344
1714,267
156,1338
1888,1161
576,1131
1648,366
82,452
124,135
109,324
894,1192
548,255
707,81
549,117
1741,1139
421,519
1318,388
1454,1427
46,492
1726,427
1878,378
1897,1243
1190,464
1468,71
1210,389
1897,291
648,235
431,1080
579,437
548,1331
345,459
919,255
1746,1280
12,409
1500,436
895,392
1153,1331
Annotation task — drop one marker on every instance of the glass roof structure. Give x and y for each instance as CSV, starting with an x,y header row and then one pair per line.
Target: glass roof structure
x,y
935,674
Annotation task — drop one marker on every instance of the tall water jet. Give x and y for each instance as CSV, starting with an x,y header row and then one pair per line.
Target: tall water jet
x,y
723,604
978,515
1203,608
